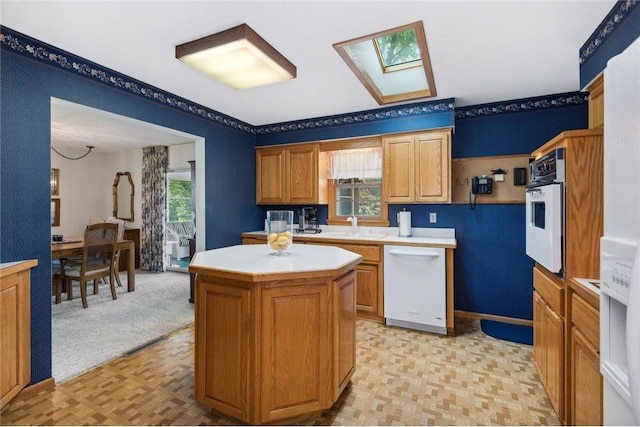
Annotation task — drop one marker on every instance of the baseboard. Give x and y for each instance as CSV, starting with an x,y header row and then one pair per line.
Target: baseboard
x,y
495,318
36,388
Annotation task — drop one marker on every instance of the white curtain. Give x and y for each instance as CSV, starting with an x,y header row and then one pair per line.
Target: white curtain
x,y
358,163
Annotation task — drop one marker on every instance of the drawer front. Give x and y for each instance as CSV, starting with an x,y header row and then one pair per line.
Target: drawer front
x,y
369,253
586,319
549,290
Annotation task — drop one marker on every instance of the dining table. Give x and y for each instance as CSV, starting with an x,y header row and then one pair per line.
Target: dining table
x,y
72,247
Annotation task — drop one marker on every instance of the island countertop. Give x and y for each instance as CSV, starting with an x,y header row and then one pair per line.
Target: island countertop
x,y
254,263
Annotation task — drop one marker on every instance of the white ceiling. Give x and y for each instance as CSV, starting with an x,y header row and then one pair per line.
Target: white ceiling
x,y
481,51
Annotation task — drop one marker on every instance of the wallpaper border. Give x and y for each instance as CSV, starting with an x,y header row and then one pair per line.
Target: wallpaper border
x,y
620,11
33,49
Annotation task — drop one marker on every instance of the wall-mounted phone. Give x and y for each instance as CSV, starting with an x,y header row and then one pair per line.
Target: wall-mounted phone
x,y
481,185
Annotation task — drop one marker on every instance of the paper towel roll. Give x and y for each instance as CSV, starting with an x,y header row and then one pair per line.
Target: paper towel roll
x,y
404,224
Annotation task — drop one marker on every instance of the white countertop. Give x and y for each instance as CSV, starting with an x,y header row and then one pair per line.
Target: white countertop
x,y
255,259
442,237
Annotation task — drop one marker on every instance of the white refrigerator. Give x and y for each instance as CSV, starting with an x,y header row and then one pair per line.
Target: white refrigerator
x,y
619,250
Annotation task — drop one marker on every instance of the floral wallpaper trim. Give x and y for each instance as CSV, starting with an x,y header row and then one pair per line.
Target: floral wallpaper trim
x,y
611,22
29,47
42,52
32,48
526,104
421,109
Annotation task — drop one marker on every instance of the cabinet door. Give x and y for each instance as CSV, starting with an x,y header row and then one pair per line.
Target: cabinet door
x,y
586,382
398,168
554,345
433,165
539,359
222,348
295,320
270,176
302,174
344,335
15,341
367,298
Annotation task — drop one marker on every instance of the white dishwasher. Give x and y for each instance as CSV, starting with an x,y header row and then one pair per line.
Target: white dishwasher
x,y
415,294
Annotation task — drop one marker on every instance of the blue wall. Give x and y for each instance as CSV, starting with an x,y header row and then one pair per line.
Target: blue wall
x,y
25,231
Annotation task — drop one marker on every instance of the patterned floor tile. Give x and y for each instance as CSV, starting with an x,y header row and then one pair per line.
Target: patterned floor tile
x,y
402,378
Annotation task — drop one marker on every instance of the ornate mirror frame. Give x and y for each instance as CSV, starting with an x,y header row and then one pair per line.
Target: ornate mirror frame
x,y
118,187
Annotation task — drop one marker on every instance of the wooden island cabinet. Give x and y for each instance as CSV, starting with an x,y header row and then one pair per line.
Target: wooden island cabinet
x,y
275,336
15,328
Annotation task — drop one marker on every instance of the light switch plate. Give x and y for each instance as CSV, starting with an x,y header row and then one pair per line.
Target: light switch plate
x,y
433,217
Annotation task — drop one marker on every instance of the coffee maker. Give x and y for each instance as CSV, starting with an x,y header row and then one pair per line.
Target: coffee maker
x,y
308,221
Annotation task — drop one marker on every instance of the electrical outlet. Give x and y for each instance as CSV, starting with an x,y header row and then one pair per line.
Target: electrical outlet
x,y
433,217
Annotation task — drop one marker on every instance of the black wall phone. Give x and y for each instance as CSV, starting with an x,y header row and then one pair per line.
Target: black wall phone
x,y
481,185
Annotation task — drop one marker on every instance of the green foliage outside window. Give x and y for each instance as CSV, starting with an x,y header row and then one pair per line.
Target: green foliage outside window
x,y
398,48
361,197
179,200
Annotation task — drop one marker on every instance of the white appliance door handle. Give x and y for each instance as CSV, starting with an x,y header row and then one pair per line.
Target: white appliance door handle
x,y
633,335
418,254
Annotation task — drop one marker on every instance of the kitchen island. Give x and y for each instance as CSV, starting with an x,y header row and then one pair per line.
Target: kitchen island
x,y
275,336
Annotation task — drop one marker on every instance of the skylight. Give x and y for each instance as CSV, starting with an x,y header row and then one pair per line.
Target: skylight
x,y
398,51
393,65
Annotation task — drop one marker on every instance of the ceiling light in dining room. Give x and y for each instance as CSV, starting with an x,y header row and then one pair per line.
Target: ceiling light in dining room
x,y
238,57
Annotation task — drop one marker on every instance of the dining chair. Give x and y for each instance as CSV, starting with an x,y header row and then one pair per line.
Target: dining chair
x,y
116,260
98,255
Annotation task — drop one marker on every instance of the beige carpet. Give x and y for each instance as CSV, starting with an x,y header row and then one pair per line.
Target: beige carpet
x,y
107,329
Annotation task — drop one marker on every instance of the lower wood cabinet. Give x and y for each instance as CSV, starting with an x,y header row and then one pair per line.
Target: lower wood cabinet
x,y
585,379
15,328
586,382
548,351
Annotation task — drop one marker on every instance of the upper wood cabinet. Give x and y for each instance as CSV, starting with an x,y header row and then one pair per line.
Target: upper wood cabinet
x,y
289,175
417,167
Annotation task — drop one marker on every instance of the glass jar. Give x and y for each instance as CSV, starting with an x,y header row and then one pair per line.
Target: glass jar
x,y
279,232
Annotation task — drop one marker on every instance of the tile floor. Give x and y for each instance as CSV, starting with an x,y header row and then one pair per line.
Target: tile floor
x,y
402,378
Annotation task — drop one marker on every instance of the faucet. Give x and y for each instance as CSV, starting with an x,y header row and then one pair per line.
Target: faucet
x,y
354,224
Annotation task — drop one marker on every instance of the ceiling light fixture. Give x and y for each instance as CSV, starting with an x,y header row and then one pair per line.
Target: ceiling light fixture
x,y
238,57
90,147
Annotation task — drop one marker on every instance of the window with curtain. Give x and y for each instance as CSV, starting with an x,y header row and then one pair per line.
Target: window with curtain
x,y
357,180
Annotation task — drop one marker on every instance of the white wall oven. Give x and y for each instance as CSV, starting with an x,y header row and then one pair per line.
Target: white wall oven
x,y
545,211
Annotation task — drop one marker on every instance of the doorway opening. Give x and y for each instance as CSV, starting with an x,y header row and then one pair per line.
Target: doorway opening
x,y
180,216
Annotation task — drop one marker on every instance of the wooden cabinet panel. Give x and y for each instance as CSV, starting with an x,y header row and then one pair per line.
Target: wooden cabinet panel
x,y
596,102
15,329
433,167
549,288
586,319
398,168
222,348
369,253
539,359
586,382
344,336
417,167
289,175
270,175
302,170
295,322
367,288
548,351
554,341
